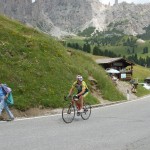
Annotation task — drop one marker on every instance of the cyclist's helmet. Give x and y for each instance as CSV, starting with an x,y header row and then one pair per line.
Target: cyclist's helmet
x,y
79,77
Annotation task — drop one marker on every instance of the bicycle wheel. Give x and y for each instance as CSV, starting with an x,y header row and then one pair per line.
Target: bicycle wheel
x,y
87,112
68,113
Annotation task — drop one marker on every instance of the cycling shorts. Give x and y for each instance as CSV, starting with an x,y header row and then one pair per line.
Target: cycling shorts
x,y
85,93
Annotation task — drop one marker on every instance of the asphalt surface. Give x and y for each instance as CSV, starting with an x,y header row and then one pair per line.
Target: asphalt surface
x,y
124,126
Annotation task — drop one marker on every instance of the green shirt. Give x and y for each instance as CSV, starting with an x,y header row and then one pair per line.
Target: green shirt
x,y
80,87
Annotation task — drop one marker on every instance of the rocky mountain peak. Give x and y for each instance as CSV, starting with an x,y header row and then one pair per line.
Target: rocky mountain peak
x,y
62,17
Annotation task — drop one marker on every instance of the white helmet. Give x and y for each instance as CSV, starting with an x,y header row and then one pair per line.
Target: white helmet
x,y
79,77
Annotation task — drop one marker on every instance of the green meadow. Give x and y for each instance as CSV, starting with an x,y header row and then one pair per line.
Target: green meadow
x,y
40,70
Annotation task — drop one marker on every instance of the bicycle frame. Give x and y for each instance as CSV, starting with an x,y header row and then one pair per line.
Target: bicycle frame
x,y
75,103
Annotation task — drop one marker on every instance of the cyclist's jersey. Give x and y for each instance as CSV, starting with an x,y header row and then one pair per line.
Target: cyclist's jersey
x,y
80,87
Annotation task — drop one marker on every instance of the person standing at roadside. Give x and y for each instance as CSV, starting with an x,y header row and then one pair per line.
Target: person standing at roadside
x,y
4,93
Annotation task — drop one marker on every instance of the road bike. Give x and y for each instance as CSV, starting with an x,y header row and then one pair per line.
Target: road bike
x,y
71,108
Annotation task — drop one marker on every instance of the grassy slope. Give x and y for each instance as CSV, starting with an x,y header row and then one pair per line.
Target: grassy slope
x,y
123,49
141,73
40,71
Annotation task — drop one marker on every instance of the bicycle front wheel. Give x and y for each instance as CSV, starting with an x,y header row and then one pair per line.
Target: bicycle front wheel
x,y
68,113
87,112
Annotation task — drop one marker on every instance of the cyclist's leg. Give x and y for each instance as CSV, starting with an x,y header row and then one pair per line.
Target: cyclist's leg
x,y
78,105
81,99
84,95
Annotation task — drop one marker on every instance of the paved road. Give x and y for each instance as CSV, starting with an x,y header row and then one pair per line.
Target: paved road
x,y
123,126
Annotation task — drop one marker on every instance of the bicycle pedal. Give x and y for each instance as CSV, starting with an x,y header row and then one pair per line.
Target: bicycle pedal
x,y
78,113
85,110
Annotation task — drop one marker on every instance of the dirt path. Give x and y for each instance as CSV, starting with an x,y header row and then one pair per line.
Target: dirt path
x,y
123,86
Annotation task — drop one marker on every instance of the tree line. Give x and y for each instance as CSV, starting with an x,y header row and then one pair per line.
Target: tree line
x,y
97,51
86,47
140,61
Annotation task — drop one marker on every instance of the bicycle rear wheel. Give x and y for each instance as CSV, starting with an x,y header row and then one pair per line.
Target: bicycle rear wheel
x,y
68,113
87,112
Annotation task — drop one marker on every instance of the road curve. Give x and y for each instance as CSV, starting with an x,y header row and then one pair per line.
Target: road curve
x,y
124,126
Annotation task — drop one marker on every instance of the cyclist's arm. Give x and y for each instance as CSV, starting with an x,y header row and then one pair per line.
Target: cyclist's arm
x,y
72,88
71,91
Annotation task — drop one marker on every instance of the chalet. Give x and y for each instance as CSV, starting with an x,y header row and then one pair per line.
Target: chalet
x,y
124,66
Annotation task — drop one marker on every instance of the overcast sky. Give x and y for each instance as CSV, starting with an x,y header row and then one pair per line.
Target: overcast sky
x,y
128,1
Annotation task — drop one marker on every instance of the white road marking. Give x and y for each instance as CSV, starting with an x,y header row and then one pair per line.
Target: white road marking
x,y
102,107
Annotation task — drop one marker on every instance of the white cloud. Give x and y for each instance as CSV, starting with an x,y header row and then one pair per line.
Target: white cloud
x,y
33,1
128,1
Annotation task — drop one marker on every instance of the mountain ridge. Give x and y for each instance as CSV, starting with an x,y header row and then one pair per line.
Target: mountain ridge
x,y
63,17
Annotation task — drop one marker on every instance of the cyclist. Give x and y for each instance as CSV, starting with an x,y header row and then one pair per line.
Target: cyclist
x,y
82,91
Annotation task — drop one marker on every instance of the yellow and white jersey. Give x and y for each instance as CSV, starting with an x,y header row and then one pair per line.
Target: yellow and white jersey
x,y
80,87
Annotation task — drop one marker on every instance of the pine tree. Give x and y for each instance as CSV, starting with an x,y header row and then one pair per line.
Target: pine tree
x,y
96,50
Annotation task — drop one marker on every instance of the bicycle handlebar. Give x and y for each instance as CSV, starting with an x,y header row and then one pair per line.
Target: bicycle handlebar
x,y
74,97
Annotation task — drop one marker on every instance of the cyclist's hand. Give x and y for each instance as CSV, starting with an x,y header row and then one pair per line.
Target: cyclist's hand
x,y
75,97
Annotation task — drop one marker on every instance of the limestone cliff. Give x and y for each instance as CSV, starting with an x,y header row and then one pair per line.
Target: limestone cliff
x,y
129,18
59,17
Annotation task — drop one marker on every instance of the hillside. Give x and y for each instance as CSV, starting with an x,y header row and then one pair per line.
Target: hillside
x,y
112,45
41,71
